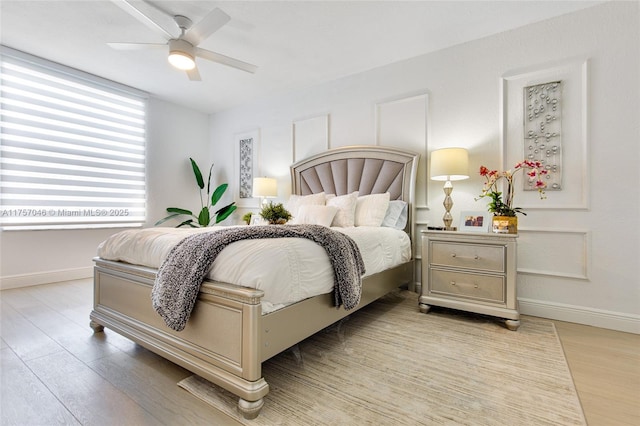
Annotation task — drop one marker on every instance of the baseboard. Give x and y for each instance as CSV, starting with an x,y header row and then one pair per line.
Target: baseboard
x,y
26,280
579,314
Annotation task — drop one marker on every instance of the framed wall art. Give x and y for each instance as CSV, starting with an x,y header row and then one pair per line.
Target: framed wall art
x,y
542,111
247,149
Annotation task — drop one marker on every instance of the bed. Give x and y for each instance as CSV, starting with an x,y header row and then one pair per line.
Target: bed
x,y
230,333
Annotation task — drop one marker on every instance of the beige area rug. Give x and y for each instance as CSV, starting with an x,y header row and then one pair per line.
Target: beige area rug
x,y
390,364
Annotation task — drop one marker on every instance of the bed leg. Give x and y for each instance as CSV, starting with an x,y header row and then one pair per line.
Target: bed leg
x,y
250,409
97,328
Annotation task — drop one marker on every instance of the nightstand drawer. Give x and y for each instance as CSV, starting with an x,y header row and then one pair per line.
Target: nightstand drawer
x,y
473,256
458,284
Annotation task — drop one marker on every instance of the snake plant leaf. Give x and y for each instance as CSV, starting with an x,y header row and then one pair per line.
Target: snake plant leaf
x,y
171,216
204,218
188,222
179,211
209,181
197,173
224,212
218,193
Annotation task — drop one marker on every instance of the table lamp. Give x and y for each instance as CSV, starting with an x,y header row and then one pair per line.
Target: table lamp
x,y
264,188
447,165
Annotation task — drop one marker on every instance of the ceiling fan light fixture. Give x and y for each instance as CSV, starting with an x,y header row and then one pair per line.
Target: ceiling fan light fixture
x,y
181,54
181,61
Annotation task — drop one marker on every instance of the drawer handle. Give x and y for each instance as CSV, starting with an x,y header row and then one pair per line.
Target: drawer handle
x,y
476,257
454,283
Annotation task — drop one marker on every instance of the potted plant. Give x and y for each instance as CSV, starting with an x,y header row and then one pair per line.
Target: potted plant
x,y
246,218
275,214
204,218
501,205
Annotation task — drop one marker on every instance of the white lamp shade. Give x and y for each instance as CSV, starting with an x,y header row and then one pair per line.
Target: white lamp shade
x,y
450,164
265,187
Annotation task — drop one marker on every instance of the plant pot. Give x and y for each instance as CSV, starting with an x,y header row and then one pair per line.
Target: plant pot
x,y
505,224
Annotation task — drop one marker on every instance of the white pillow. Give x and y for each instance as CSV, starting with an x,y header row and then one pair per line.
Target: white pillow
x,y
316,215
370,209
346,205
397,215
295,201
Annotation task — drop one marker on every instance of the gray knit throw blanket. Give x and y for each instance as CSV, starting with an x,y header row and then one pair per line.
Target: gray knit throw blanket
x,y
179,278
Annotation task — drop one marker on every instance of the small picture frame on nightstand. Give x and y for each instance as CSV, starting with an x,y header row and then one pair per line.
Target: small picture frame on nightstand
x,y
474,221
256,219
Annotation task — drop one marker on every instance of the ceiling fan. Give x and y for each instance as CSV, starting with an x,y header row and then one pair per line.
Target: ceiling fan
x,y
183,49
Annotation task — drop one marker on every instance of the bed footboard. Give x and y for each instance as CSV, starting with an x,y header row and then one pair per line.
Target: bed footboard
x,y
220,343
227,338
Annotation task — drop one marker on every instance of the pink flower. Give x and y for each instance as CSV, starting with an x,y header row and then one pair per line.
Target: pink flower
x,y
504,205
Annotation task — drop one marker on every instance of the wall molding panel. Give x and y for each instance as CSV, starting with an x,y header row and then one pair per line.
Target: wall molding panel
x,y
402,122
277,156
563,253
574,74
310,136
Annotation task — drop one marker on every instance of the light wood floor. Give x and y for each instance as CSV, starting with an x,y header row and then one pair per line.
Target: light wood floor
x,y
55,371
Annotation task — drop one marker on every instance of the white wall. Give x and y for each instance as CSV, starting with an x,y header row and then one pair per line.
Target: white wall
x,y
463,88
174,134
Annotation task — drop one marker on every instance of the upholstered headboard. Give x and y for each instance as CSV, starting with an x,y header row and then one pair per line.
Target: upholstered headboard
x,y
363,168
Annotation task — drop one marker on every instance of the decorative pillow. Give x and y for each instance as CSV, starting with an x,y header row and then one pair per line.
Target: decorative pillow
x,y
346,205
370,209
316,215
295,201
397,215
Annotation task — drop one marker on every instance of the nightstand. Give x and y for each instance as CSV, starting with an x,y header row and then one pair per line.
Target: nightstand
x,y
470,271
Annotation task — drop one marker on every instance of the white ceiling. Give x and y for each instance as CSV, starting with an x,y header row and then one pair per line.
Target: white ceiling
x,y
294,43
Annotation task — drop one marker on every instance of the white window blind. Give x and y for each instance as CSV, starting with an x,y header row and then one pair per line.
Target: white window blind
x,y
72,147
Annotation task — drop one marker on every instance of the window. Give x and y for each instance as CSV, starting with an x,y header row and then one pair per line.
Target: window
x,y
72,148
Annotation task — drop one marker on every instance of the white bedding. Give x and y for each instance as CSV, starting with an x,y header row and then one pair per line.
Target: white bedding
x,y
286,269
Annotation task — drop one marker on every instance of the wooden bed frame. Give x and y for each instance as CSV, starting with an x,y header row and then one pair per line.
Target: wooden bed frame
x,y
227,338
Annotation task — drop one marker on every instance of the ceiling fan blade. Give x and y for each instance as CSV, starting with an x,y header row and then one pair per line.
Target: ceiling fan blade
x,y
144,12
211,23
137,46
194,74
225,60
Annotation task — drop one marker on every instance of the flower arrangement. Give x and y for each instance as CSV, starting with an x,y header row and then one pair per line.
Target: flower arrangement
x,y
504,207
